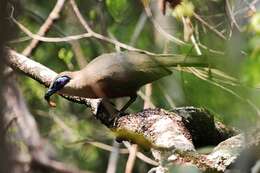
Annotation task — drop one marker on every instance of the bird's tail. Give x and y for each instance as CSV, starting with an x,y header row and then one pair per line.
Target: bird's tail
x,y
182,61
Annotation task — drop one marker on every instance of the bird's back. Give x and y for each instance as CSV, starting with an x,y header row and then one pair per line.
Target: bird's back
x,y
127,63
125,72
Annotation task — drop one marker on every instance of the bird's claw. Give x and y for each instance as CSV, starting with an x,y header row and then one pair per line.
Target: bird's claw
x,y
116,117
121,114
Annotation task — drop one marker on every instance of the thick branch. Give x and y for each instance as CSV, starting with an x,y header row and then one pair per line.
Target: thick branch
x,y
174,136
43,75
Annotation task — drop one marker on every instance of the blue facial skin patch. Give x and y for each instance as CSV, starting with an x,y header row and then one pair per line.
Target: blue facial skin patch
x,y
60,82
57,85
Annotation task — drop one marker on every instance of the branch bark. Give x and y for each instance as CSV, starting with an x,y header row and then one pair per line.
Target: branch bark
x,y
43,75
54,14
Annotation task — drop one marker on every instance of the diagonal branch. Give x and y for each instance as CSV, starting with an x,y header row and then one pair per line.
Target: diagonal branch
x,y
203,22
80,17
43,75
45,27
90,34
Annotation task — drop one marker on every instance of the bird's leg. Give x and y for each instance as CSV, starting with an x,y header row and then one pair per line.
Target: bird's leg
x,y
106,112
132,99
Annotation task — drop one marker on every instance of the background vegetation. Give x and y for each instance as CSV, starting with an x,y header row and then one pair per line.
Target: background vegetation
x,y
225,30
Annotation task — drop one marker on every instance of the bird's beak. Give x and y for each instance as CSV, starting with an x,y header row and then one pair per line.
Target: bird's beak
x,y
48,95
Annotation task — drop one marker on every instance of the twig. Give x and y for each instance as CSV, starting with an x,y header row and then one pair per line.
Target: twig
x,y
140,155
97,36
232,18
113,158
101,145
196,16
161,30
167,97
148,93
101,37
186,23
176,40
81,36
210,50
138,29
165,34
51,39
80,17
21,39
52,165
131,158
82,61
203,77
54,14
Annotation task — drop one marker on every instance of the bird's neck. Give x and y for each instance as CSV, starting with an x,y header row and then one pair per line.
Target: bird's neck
x,y
78,80
79,85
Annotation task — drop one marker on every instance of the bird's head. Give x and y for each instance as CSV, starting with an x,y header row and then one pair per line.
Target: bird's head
x,y
58,84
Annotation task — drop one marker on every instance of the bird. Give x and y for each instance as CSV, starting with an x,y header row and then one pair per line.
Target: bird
x,y
118,74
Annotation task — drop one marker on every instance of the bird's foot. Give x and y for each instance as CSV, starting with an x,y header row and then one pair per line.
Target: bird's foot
x,y
119,140
115,120
121,114
118,115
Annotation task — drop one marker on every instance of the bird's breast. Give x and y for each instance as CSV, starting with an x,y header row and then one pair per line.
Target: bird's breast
x,y
112,89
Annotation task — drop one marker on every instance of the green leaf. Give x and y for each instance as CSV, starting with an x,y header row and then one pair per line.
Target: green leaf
x,y
65,55
255,23
117,8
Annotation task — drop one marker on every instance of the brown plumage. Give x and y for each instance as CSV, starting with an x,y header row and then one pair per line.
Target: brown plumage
x,y
117,75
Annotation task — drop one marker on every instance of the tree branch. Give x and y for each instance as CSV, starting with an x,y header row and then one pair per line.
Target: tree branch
x,y
89,34
54,14
43,75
